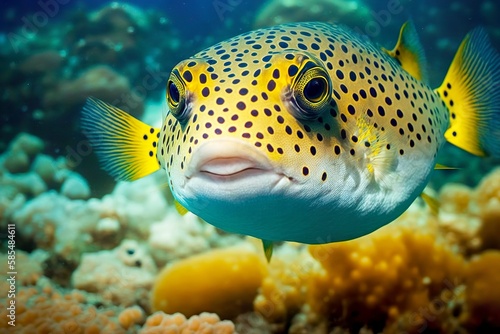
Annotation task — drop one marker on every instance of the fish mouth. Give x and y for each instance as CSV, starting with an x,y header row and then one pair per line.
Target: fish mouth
x,y
226,160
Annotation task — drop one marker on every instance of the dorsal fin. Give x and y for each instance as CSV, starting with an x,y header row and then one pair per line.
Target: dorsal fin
x,y
409,52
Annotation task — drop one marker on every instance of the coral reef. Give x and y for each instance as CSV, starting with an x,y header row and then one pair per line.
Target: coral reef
x,y
45,309
101,82
122,276
374,280
205,323
31,265
223,281
353,12
482,293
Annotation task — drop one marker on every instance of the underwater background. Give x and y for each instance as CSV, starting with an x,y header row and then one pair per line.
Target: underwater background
x,y
96,256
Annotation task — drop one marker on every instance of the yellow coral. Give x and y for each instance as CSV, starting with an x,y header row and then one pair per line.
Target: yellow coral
x,y
205,323
223,281
282,292
482,292
375,279
488,200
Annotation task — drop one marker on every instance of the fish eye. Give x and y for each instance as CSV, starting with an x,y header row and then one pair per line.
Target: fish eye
x,y
315,90
173,92
311,91
176,96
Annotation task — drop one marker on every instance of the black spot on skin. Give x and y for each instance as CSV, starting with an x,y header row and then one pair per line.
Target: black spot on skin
x,y
323,177
220,101
337,150
205,91
381,111
271,85
150,153
351,109
292,70
188,76
276,73
305,171
241,105
145,137
297,148
340,74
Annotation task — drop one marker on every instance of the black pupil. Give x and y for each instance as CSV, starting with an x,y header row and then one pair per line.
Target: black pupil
x,y
314,89
173,92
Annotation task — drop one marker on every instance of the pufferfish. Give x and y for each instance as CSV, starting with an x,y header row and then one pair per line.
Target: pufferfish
x,y
305,132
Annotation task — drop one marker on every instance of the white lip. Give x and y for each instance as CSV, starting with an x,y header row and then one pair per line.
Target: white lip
x,y
227,159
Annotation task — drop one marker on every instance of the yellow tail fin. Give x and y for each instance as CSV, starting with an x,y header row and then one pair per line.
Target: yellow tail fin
x,y
471,91
125,146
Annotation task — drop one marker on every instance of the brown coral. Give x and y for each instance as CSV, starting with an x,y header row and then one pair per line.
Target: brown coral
x,y
205,323
46,310
482,292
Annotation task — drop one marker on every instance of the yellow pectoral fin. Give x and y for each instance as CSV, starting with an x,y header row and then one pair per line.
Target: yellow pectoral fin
x,y
409,52
125,146
443,167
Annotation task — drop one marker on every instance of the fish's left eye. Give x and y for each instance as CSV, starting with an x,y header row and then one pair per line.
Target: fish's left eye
x,y
311,91
176,97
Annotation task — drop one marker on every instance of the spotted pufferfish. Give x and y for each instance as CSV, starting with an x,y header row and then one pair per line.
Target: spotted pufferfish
x,y
305,132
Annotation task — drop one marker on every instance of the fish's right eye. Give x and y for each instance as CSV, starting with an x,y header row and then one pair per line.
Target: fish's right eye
x,y
176,97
